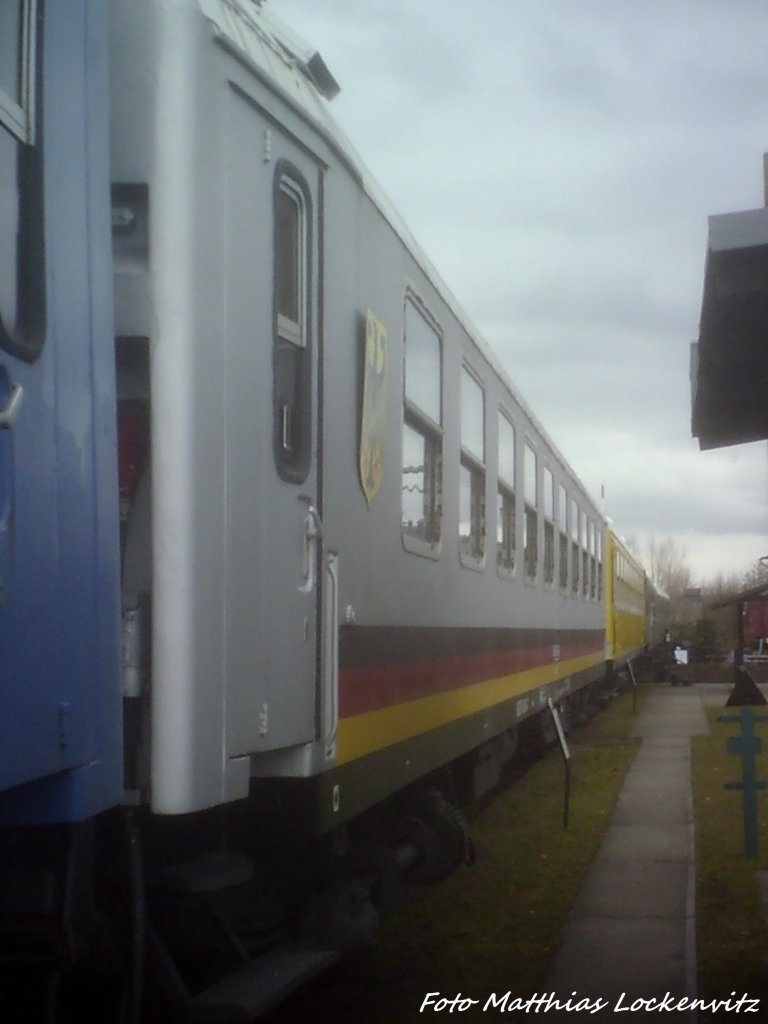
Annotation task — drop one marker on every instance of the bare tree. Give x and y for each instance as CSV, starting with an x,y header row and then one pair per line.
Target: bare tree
x,y
722,587
757,575
669,567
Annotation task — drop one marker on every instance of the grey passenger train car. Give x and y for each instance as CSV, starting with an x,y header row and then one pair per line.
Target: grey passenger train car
x,y
354,568
360,549
352,557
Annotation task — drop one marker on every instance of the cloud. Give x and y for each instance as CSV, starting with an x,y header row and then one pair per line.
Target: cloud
x,y
558,162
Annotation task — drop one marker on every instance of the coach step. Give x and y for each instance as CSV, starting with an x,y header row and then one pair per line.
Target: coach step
x,y
260,985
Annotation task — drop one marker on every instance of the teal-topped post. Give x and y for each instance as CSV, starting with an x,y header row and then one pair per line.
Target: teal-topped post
x,y
748,746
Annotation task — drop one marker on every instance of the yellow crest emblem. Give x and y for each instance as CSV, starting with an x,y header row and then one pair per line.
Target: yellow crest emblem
x,y
373,419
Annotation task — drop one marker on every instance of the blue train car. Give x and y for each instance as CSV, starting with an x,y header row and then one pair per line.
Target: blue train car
x,y
60,705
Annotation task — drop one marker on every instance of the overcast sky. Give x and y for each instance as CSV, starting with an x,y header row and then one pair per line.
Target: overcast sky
x,y
558,161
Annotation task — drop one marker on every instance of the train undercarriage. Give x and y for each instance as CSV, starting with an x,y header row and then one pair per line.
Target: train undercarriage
x,y
217,916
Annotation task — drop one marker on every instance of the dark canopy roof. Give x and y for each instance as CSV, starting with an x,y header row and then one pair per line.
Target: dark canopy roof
x,y
729,363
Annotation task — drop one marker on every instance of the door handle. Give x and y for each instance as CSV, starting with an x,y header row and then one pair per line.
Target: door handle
x,y
12,406
313,531
331,653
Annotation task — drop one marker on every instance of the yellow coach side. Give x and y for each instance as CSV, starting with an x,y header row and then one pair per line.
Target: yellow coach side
x,y
625,627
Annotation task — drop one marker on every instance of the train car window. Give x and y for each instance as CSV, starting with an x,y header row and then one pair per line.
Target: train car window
x,y
422,485
292,357
423,359
17,32
549,526
472,416
288,257
575,555
584,556
22,278
506,518
600,565
472,471
562,522
531,520
592,560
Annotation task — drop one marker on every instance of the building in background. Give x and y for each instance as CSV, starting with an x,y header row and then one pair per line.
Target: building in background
x,y
729,362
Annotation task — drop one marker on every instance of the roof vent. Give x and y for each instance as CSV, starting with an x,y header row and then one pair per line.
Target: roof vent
x,y
305,57
317,70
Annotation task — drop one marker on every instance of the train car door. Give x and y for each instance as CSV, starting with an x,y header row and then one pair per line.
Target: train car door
x,y
274,515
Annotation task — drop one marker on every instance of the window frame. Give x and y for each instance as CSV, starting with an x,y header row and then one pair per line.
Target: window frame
x,y
294,330
18,116
506,502
420,422
563,538
22,334
292,339
549,513
600,560
584,532
531,515
575,548
472,548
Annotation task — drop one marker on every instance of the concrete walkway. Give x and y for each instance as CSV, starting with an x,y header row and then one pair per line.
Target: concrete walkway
x,y
631,934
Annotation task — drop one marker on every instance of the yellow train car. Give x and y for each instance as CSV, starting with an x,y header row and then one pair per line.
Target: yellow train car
x,y
625,604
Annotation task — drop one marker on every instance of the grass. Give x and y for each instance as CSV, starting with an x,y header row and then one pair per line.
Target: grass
x,y
732,933
493,927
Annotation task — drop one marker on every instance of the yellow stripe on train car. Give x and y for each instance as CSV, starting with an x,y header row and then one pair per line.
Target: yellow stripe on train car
x,y
373,730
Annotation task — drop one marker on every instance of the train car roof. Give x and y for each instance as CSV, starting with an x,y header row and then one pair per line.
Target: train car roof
x,y
278,55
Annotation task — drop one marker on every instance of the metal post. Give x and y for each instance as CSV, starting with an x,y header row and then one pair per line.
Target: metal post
x,y
565,751
748,746
631,674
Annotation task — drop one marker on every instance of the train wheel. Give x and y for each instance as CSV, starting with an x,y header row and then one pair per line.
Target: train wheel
x,y
438,829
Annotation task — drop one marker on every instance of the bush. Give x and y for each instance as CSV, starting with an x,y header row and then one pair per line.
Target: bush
x,y
705,643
